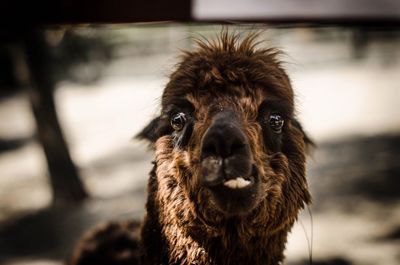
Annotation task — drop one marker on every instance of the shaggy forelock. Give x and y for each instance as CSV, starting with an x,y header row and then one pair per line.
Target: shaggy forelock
x,y
229,61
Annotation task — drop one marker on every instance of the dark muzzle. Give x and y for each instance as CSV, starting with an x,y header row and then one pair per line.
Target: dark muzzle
x,y
225,151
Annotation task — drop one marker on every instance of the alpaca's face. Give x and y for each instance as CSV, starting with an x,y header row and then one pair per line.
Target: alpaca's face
x,y
235,147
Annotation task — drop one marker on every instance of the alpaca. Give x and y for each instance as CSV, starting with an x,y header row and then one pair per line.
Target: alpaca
x,y
112,243
229,175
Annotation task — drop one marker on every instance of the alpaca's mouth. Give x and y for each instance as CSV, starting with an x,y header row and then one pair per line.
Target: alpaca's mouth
x,y
239,183
237,195
233,173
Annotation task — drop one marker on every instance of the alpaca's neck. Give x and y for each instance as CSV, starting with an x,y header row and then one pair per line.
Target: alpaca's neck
x,y
170,244
169,236
258,249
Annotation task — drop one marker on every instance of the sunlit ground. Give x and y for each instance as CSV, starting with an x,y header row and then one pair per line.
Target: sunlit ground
x,y
348,101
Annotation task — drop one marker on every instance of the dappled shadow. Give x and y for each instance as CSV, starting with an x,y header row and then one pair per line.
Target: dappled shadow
x,y
329,261
11,144
392,235
43,234
51,233
363,169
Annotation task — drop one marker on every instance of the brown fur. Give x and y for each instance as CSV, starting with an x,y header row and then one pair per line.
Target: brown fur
x,y
183,225
107,244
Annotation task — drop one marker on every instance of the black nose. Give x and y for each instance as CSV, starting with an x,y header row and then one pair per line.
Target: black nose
x,y
224,138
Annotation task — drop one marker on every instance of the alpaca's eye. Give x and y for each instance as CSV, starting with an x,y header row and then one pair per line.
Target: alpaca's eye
x,y
178,121
276,122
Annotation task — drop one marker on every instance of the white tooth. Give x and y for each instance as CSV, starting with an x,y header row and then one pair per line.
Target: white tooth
x,y
231,183
237,183
242,183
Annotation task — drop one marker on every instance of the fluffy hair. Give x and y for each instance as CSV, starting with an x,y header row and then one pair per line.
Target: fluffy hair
x,y
110,243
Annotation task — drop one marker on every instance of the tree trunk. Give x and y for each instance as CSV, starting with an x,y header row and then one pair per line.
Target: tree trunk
x,y
66,185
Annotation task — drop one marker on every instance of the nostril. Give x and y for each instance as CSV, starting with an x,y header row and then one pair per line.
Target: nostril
x,y
215,145
209,149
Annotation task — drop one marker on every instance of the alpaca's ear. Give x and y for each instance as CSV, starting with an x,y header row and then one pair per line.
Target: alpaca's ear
x,y
310,145
154,130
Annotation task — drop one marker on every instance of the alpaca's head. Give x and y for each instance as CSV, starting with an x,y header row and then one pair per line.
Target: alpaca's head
x,y
228,136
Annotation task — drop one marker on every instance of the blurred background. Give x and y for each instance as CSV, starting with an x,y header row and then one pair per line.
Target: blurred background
x,y
71,100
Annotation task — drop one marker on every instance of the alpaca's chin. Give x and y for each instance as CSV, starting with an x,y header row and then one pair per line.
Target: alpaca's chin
x,y
236,197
